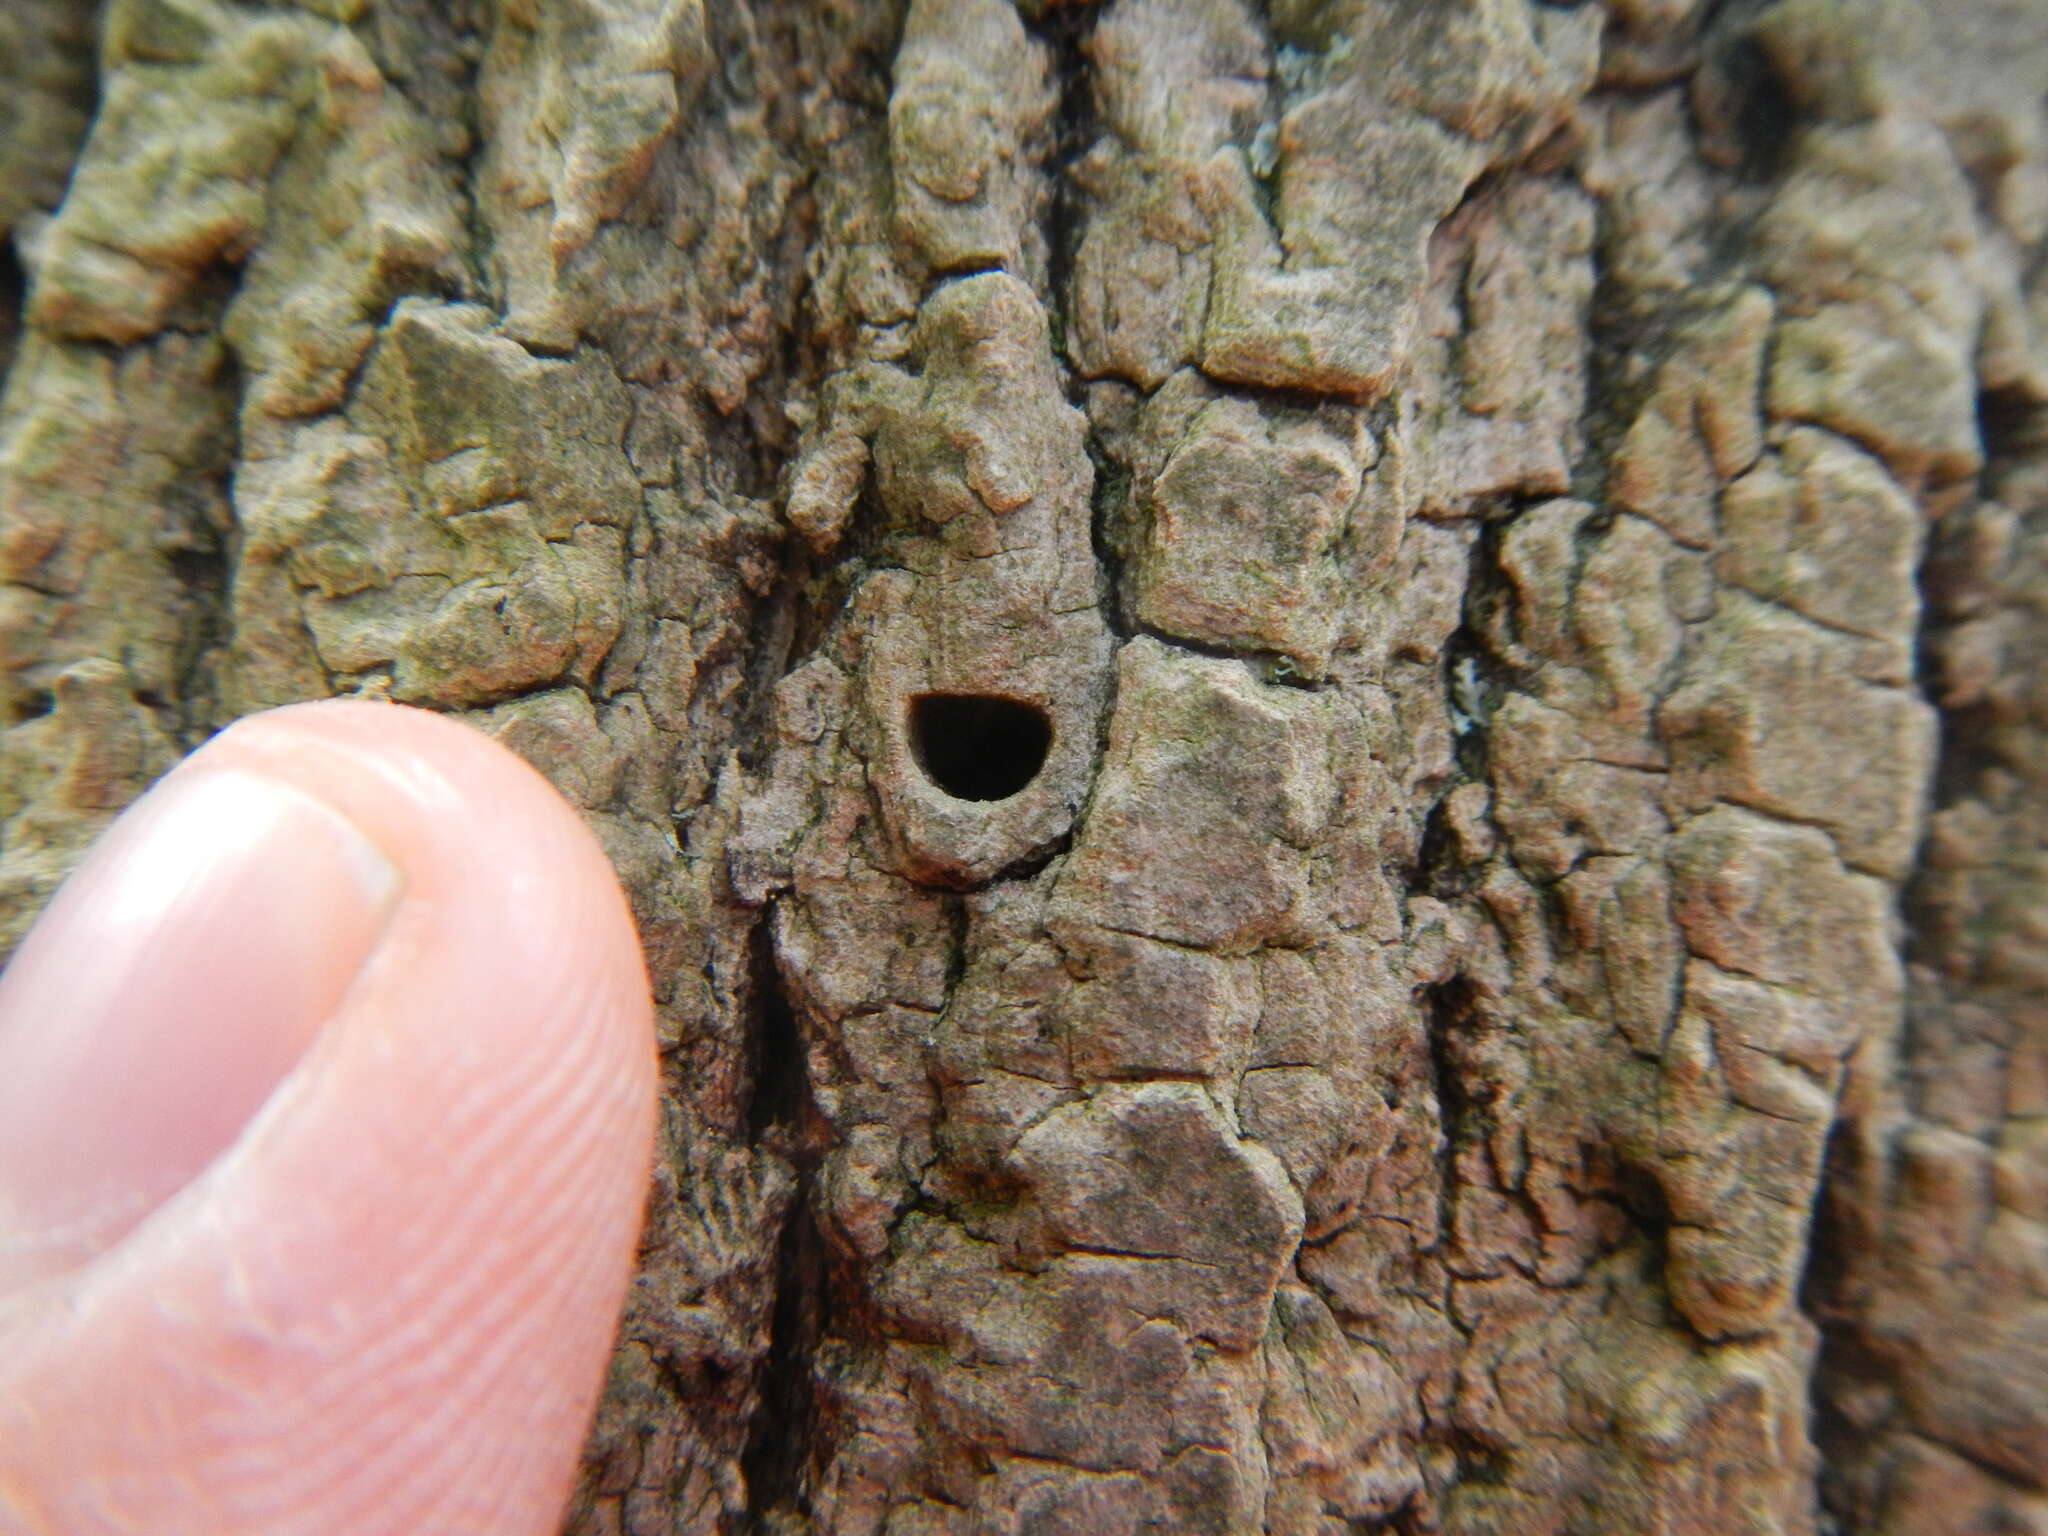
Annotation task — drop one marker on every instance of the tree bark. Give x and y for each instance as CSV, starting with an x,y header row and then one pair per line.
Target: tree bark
x,y
1327,717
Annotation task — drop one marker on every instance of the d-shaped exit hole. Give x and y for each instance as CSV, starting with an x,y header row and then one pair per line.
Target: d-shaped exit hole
x,y
976,746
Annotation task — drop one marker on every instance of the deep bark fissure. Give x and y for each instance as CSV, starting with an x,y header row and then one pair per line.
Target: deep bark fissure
x,y
203,563
779,1444
1065,31
1835,1436
1762,111
13,293
783,1440
1857,1216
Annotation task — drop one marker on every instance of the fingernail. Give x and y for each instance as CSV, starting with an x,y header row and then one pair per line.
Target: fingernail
x,y
175,980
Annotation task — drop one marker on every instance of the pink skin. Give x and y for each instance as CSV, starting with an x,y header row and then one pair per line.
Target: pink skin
x,y
327,1097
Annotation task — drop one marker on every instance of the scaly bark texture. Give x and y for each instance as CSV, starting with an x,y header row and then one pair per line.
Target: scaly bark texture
x,y
1327,716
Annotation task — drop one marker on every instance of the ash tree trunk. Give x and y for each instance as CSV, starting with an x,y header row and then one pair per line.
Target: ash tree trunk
x,y
1326,716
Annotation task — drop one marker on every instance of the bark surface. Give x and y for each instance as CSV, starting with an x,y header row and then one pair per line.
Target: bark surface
x,y
1329,718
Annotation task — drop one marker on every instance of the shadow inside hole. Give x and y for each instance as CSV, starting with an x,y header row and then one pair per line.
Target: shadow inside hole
x,y
978,747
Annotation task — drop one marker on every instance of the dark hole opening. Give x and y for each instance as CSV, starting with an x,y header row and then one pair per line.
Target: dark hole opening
x,y
976,747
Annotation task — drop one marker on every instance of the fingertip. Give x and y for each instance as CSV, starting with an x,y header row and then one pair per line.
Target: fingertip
x,y
388,1305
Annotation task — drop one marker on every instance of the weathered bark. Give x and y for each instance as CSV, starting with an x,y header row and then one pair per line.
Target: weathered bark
x,y
1513,995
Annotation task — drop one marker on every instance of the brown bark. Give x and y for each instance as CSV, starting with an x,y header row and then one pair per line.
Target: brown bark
x,y
1326,717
